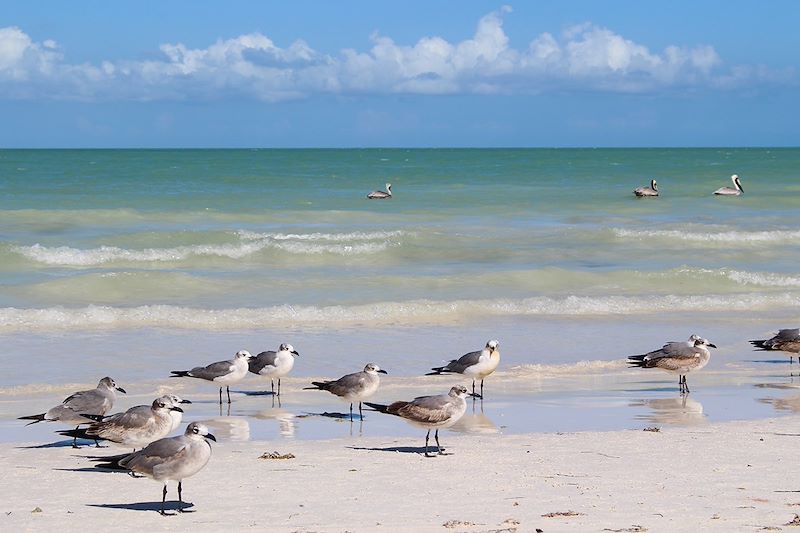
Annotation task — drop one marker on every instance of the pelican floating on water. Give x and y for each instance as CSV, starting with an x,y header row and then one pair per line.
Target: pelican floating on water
x,y
731,191
652,190
380,195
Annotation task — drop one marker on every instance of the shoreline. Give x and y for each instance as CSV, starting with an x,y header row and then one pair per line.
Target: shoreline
x,y
721,477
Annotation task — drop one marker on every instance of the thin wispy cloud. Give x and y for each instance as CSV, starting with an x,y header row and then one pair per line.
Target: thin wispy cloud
x,y
583,57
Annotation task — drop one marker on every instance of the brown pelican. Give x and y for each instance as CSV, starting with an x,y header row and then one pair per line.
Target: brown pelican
x,y
652,190
380,195
729,191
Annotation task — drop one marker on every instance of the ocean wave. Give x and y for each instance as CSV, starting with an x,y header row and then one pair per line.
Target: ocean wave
x,y
250,243
705,237
416,312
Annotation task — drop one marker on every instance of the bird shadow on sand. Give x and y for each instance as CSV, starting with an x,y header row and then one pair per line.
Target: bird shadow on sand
x,y
769,361
336,416
62,444
255,392
420,450
146,506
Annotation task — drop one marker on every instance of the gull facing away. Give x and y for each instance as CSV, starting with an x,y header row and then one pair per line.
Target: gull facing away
x,y
223,373
677,357
274,364
736,190
787,340
431,412
381,195
476,365
170,459
97,401
353,387
652,190
135,428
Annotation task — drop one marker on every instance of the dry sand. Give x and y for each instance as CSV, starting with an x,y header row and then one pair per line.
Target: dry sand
x,y
735,476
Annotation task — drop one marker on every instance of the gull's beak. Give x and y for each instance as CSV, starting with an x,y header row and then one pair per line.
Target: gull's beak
x,y
121,390
382,371
294,352
711,345
185,401
173,408
210,436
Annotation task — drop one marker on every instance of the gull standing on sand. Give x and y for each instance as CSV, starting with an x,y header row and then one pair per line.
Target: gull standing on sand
x,y
353,387
274,364
787,340
223,373
135,428
170,459
652,190
381,195
677,357
476,365
430,412
736,190
97,401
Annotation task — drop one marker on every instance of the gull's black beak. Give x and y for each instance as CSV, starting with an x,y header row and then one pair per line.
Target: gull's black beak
x,y
173,408
121,390
294,352
382,371
185,401
712,345
210,436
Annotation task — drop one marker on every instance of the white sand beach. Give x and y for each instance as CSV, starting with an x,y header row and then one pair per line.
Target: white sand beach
x,y
733,476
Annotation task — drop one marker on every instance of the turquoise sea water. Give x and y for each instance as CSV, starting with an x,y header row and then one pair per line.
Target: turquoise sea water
x,y
135,262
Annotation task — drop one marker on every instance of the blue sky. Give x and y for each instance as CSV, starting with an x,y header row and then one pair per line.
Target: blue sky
x,y
412,74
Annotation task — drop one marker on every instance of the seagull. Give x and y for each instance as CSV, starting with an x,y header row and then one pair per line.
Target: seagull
x,y
430,412
353,387
476,365
652,190
97,401
135,428
677,357
170,459
729,191
175,416
274,364
381,195
787,340
222,373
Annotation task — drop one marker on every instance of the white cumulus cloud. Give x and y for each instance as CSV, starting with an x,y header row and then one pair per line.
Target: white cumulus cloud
x,y
584,57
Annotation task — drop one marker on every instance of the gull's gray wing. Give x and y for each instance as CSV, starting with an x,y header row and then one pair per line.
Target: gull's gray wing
x,y
212,371
426,409
348,384
673,353
785,335
261,360
155,454
462,363
92,402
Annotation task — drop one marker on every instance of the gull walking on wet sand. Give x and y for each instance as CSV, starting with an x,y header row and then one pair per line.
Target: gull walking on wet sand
x,y
97,401
223,373
353,387
787,340
430,412
135,428
170,459
475,365
274,365
677,357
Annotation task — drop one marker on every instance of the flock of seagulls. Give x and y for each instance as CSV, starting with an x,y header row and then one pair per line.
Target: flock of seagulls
x,y
652,190
166,459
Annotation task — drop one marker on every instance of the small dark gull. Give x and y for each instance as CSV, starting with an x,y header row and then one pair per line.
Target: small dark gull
x,y
381,195
430,412
169,459
677,357
223,373
475,365
353,387
97,401
274,365
787,340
